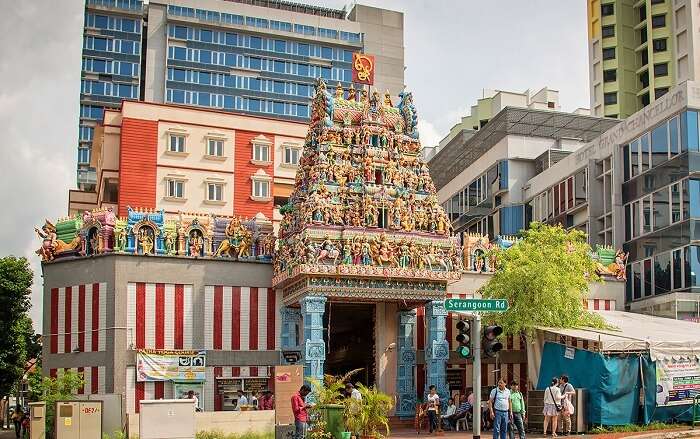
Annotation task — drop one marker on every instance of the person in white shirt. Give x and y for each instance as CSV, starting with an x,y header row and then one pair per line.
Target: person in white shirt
x,y
451,409
242,400
433,404
353,392
191,395
552,406
567,407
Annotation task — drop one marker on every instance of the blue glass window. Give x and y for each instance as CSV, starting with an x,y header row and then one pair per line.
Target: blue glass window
x,y
255,43
99,65
229,81
673,136
205,78
326,72
205,56
128,25
278,87
694,193
302,110
278,107
279,66
644,151
255,63
127,46
126,68
659,145
280,46
326,53
125,91
689,131
230,59
205,35
303,69
347,56
228,102
303,49
254,105
99,44
303,90
231,39
179,96
83,155
204,99
101,21
180,53
179,75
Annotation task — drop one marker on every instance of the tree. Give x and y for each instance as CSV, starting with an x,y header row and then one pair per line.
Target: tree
x,y
545,278
50,390
15,324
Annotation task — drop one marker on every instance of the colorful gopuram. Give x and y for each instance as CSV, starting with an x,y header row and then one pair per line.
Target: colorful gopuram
x,y
363,225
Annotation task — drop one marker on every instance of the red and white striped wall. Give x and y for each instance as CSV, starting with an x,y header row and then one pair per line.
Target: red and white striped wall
x,y
159,315
93,377
78,318
137,392
241,318
599,304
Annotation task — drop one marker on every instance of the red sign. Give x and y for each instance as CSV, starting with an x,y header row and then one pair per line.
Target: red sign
x,y
363,68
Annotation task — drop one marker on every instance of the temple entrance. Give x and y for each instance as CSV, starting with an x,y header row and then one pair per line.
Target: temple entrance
x,y
350,340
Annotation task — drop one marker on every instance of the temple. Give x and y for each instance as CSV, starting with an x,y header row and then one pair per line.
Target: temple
x,y
355,277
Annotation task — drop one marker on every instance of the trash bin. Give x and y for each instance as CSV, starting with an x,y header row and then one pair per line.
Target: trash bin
x,y
333,415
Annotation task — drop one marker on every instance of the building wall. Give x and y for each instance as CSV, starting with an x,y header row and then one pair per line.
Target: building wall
x,y
137,164
246,168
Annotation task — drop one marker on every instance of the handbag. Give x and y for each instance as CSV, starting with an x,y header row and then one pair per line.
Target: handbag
x,y
558,407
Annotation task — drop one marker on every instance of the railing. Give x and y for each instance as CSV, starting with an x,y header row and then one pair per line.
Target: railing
x,y
133,5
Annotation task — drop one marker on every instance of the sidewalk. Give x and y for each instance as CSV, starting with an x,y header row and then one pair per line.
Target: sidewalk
x,y
684,432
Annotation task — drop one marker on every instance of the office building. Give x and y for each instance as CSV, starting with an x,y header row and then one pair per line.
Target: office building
x,y
248,56
638,50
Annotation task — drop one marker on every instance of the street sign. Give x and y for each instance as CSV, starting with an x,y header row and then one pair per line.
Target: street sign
x,y
476,305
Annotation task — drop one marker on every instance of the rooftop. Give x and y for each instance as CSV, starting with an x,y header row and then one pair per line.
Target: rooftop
x,y
295,7
464,149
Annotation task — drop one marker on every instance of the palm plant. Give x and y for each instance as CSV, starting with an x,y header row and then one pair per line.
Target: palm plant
x,y
373,412
330,391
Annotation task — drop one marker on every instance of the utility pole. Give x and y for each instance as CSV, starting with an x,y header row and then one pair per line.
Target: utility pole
x,y
476,410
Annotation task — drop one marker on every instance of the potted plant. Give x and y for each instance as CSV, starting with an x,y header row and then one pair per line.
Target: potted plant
x,y
329,398
372,414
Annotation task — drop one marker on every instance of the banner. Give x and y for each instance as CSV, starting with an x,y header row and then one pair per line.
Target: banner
x,y
362,68
677,381
160,365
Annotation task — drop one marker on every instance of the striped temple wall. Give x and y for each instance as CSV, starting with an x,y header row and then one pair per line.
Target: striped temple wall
x,y
93,378
78,316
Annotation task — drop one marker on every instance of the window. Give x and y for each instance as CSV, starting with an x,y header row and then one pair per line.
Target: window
x,y
607,9
176,189
261,189
176,143
656,2
658,21
261,152
83,156
215,192
659,145
645,99
660,92
659,44
291,155
608,31
610,98
609,75
661,69
609,53
215,147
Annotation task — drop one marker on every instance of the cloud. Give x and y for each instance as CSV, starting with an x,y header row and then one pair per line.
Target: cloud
x,y
429,136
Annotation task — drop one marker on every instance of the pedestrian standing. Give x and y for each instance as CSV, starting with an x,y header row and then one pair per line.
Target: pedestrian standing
x,y
352,392
17,417
299,409
567,407
500,409
552,406
242,400
433,404
517,404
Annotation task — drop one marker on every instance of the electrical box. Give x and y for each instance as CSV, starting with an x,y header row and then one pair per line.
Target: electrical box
x,y
37,420
78,419
166,419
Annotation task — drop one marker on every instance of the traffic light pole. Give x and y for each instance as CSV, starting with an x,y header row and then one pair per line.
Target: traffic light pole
x,y
476,410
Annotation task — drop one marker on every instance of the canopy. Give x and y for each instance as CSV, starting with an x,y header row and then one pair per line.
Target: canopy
x,y
632,332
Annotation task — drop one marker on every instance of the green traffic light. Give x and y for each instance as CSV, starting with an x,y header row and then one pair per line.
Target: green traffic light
x,y
464,351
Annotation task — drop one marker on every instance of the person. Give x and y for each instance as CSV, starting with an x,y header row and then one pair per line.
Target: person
x,y
567,407
450,411
470,398
17,420
25,425
254,400
517,403
500,409
242,400
266,402
191,395
463,410
299,409
552,399
352,392
433,404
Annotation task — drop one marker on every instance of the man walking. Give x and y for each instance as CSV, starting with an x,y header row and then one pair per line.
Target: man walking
x,y
299,407
517,404
500,409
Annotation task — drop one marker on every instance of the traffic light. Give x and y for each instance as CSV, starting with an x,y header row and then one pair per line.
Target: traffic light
x,y
464,350
491,343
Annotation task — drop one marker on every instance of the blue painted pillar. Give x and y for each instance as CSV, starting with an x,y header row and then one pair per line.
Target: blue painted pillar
x,y
405,376
437,350
291,319
312,309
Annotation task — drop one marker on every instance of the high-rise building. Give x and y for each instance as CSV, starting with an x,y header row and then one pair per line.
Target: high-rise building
x,y
638,50
250,56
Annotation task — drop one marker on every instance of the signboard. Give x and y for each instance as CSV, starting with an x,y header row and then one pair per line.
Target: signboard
x,y
569,353
677,381
288,380
363,68
476,305
161,365
455,379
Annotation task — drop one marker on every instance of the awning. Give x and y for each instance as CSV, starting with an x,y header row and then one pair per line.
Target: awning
x,y
662,337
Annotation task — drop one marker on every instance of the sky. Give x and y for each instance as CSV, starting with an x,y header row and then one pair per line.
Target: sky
x,y
454,49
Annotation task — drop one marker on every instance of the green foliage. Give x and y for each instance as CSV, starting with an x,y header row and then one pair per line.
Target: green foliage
x,y
50,390
218,434
16,333
545,278
630,428
319,430
330,391
369,417
115,435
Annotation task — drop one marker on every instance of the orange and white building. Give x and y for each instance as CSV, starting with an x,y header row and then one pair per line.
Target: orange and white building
x,y
186,159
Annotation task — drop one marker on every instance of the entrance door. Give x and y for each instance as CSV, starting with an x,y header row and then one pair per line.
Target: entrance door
x,y
350,340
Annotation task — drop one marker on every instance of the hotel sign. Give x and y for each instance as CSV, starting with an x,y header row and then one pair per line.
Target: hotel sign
x,y
363,68
666,106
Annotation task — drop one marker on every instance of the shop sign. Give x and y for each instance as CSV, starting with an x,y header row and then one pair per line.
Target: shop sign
x,y
677,381
165,365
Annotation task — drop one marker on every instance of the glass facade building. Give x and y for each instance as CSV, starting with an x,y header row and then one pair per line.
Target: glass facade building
x,y
110,69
